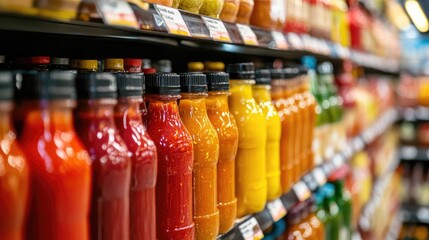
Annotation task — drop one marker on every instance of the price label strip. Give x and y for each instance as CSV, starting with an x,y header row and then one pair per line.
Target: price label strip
x,y
247,34
277,209
280,40
338,160
217,29
295,41
117,13
250,230
320,176
173,20
301,191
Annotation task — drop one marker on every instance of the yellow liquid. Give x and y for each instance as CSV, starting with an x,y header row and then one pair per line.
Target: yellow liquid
x,y
250,165
262,96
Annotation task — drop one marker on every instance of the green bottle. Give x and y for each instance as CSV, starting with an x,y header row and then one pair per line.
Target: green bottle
x,y
332,210
344,201
321,214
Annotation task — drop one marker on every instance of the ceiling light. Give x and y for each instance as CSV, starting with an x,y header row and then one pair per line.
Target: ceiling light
x,y
417,15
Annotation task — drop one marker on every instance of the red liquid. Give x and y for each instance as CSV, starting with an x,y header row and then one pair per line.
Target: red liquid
x,y
60,172
175,160
128,120
14,182
111,171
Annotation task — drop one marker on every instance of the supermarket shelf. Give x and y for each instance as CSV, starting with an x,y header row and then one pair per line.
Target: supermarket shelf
x,y
415,214
415,114
413,153
46,33
310,182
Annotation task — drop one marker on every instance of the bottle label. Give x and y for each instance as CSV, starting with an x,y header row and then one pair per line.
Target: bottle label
x,y
217,29
250,230
280,40
247,34
173,20
277,209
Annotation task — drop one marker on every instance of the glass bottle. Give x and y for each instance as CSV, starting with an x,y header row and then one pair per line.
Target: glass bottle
x,y
59,163
111,163
14,173
332,210
261,93
175,157
193,112
250,164
128,119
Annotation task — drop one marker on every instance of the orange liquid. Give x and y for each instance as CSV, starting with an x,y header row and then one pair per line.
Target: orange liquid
x,y
295,133
224,123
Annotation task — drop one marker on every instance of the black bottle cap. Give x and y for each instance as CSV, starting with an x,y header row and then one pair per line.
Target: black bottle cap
x,y
129,85
243,71
162,83
263,77
193,83
52,85
96,85
6,85
291,71
303,70
277,73
217,81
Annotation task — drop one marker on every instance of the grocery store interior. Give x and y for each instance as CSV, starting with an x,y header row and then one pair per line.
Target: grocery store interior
x,y
214,119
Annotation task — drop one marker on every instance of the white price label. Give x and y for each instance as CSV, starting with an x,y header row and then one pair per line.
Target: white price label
x,y
117,13
173,20
320,176
295,41
280,40
338,161
277,209
247,34
250,230
301,190
217,29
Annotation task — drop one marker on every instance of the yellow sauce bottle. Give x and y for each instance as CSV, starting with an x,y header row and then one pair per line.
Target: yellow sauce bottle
x,y
250,167
193,112
224,123
261,93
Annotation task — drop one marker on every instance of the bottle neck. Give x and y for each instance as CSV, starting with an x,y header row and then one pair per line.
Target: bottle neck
x,y
161,106
261,93
97,111
55,114
5,117
193,103
218,101
242,88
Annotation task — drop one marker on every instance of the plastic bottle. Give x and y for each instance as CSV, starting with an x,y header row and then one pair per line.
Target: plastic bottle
x,y
261,93
15,173
344,201
315,223
175,157
332,210
304,225
224,123
322,214
111,163
193,112
128,119
250,164
60,165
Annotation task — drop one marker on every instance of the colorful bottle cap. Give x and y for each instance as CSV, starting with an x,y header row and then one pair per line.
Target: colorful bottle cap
x,y
217,81
195,66
133,63
129,85
96,85
162,83
193,83
325,68
42,60
215,66
263,77
59,61
243,71
114,64
47,85
87,64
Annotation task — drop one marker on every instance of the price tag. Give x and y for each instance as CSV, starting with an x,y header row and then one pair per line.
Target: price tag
x,y
173,20
338,161
277,209
250,230
301,190
295,41
320,176
217,29
280,40
247,34
117,13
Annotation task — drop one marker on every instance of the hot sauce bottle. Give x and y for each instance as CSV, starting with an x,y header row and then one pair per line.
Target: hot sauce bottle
x,y
111,163
224,123
250,164
15,175
128,119
261,93
60,166
193,113
175,157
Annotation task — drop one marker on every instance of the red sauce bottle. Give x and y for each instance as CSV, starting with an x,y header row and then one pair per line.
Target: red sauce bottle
x,y
60,165
14,174
128,120
111,163
175,158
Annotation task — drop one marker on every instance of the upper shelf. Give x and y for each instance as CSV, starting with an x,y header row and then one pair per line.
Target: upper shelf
x,y
268,44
